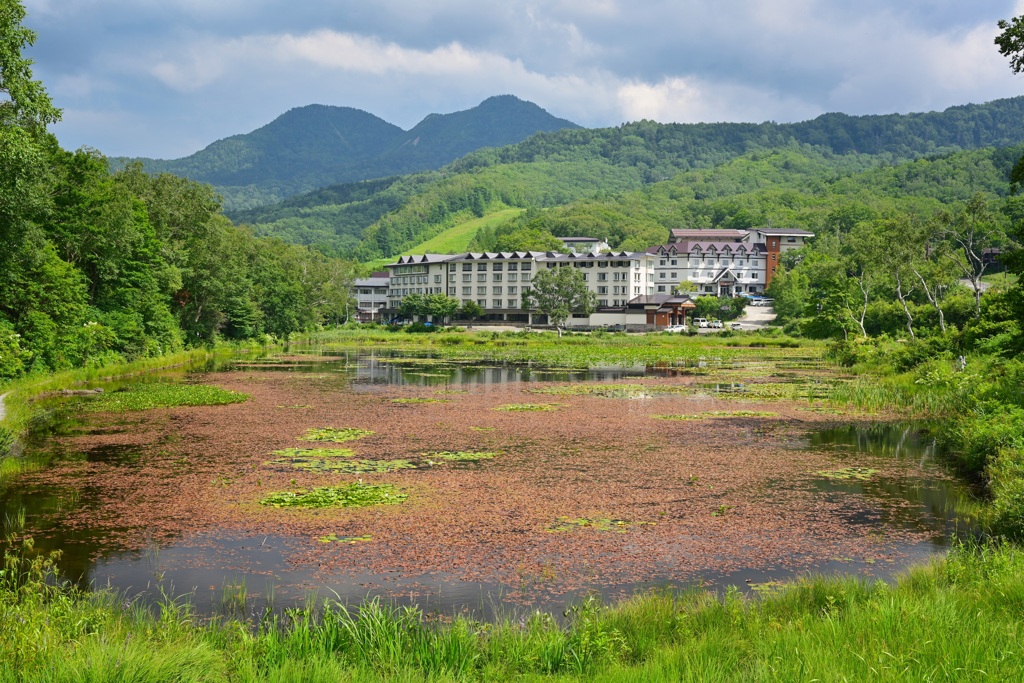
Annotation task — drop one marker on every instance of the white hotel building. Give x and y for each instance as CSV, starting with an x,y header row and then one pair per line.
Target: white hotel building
x,y
716,262
497,281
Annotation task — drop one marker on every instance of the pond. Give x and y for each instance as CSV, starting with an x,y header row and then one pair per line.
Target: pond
x,y
522,486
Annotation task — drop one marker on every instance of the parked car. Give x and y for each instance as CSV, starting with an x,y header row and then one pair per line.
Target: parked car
x,y
736,326
701,322
716,324
676,328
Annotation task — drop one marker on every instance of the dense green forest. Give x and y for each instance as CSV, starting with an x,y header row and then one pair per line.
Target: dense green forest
x,y
98,267
317,145
553,169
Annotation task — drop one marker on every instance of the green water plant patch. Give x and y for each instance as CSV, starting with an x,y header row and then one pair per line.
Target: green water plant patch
x,y
356,494
335,435
419,400
565,524
162,395
527,407
320,453
614,390
848,473
459,456
342,465
717,414
348,540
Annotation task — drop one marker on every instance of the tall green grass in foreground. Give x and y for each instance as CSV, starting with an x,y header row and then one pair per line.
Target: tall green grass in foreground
x,y
961,618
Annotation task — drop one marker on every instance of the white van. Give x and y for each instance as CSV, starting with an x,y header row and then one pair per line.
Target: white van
x,y
701,322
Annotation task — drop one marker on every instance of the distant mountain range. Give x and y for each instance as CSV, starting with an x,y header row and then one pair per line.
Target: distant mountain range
x,y
317,145
383,217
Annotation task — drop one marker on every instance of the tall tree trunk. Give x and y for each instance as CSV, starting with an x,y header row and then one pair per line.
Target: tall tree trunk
x,y
903,300
932,299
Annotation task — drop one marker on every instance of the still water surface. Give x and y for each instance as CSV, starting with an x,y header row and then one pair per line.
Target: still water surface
x,y
211,567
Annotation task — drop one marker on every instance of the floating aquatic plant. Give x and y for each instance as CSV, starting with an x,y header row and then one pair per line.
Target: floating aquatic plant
x,y
320,453
335,435
459,456
419,400
717,413
343,465
356,494
848,473
482,429
350,540
162,395
565,524
526,407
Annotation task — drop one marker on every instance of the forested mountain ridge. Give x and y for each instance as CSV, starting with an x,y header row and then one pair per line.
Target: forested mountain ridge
x,y
552,169
319,145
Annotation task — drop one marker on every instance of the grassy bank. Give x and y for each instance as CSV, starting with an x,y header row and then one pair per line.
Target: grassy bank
x,y
571,350
23,411
960,618
977,410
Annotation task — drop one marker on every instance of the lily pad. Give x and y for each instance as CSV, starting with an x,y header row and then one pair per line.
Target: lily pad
x,y
565,524
419,400
351,495
350,540
848,473
459,456
527,407
335,435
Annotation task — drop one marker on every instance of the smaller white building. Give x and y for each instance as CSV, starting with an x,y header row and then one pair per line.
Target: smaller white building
x,y
371,296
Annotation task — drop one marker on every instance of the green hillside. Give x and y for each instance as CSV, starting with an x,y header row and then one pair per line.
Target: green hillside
x,y
457,239
318,145
554,169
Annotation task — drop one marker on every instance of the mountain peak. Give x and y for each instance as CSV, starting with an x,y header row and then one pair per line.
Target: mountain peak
x,y
317,145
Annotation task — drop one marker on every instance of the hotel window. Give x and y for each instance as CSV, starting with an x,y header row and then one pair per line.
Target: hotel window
x,y
602,290
496,267
481,290
661,262
674,262
512,303
512,277
437,279
602,302
496,290
602,277
753,276
497,303
586,277
467,278
602,264
481,277
527,266
512,290
497,277
466,291
525,278
451,278
513,266
661,288
661,276
674,275
451,267
482,303
467,266
451,291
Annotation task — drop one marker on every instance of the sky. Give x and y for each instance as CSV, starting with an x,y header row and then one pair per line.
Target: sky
x,y
164,78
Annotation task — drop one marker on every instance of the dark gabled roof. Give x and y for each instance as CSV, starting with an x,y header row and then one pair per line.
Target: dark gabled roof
x,y
684,248
709,234
373,281
421,258
785,232
660,300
